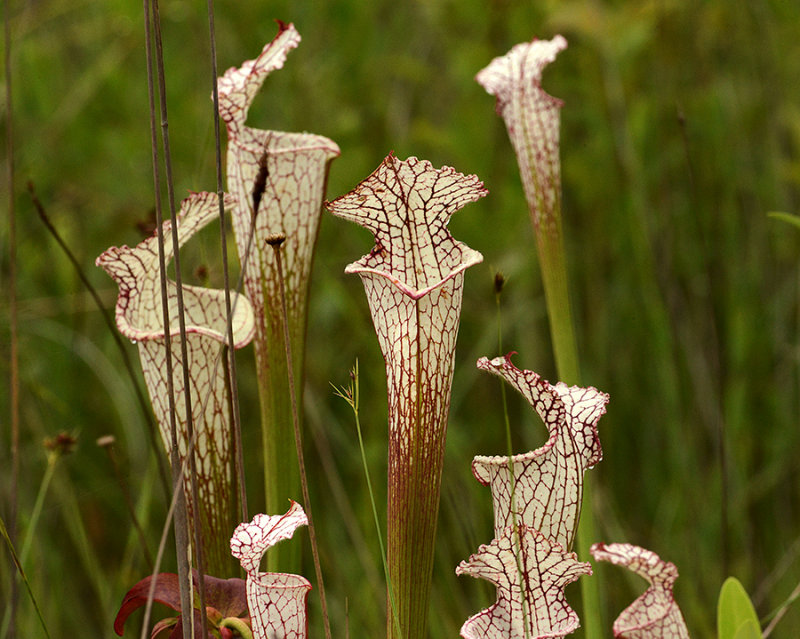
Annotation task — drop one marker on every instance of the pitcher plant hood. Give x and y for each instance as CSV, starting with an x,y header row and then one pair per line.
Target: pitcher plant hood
x,y
548,482
277,601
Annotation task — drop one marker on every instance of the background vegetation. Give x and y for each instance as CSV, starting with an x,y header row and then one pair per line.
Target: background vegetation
x,y
681,130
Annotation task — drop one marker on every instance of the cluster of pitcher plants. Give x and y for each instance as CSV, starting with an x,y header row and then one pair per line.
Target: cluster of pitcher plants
x,y
413,278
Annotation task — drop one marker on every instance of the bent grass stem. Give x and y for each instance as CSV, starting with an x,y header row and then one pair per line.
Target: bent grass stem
x,y
22,575
350,395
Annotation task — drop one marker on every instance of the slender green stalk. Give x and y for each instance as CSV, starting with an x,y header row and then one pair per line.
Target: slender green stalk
x,y
52,460
21,560
85,552
107,444
281,473
554,277
350,395
778,614
275,242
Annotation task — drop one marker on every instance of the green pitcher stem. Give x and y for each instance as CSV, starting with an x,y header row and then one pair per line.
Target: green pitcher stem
x,y
281,471
556,290
554,277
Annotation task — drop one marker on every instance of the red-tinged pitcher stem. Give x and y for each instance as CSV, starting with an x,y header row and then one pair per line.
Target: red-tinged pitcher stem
x,y
414,488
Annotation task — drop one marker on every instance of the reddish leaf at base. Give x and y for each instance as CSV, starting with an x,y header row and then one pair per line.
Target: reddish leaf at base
x,y
224,598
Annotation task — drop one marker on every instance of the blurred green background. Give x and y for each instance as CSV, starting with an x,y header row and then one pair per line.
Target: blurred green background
x,y
680,131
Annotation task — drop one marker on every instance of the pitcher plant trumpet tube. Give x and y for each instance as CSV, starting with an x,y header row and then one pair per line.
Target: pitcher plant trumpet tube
x,y
139,318
654,615
547,483
279,181
413,279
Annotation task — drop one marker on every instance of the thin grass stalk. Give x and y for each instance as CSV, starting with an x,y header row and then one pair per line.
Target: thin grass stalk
x,y
8,626
52,460
498,289
13,319
86,553
351,396
142,402
174,505
778,614
107,444
275,242
178,501
228,354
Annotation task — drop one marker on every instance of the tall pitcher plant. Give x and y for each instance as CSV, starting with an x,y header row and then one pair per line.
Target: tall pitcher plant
x,y
279,182
413,278
532,118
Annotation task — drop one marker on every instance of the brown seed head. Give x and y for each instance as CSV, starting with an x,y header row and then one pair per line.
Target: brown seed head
x,y
276,239
62,444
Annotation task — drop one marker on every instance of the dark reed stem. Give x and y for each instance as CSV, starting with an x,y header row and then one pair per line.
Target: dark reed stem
x,y
178,501
187,386
233,395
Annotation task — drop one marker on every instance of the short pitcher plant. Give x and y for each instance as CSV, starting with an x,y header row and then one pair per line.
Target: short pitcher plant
x,y
139,318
